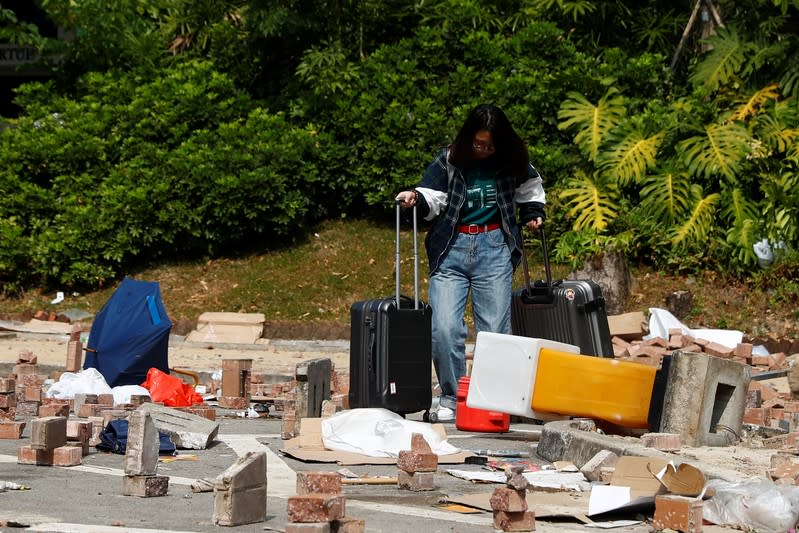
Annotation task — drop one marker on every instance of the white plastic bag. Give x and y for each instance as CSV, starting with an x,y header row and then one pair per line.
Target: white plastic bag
x,y
755,504
87,381
378,433
122,393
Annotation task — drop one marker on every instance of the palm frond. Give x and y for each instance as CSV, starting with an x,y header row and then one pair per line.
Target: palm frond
x,y
700,221
630,158
753,105
666,195
723,62
719,151
790,82
592,201
592,121
743,217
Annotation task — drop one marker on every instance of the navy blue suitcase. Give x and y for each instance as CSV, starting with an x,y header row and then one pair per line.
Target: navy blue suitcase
x,y
568,311
391,347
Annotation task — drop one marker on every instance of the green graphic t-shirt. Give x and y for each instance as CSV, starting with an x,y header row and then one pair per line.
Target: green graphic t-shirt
x,y
481,195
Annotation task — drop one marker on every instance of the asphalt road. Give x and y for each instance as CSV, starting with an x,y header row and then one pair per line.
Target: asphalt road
x,y
89,497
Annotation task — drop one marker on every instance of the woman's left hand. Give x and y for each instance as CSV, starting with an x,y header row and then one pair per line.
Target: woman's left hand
x,y
535,223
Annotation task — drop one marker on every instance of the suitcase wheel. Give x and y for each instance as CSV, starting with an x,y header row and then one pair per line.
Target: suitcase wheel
x,y
430,417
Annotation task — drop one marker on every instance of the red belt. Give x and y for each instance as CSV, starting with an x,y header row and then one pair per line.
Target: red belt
x,y
474,229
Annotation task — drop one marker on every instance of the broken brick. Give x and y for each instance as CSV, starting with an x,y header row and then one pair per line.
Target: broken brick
x,y
679,513
315,508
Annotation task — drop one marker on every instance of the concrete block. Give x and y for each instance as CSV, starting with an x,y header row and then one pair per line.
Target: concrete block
x,y
240,491
318,483
186,430
48,433
141,452
313,386
315,508
705,399
233,508
678,513
592,470
145,486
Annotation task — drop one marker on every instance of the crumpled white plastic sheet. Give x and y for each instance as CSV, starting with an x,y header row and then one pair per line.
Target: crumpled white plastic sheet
x,y
661,321
91,381
378,433
754,504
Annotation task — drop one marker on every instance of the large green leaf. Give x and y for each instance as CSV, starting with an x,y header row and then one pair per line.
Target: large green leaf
x,y
630,158
592,201
666,195
700,221
723,62
719,151
593,122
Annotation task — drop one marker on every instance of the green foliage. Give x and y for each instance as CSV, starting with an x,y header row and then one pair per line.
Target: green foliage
x,y
178,165
593,122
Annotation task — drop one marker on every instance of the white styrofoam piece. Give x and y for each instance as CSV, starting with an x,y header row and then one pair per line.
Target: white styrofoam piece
x,y
503,373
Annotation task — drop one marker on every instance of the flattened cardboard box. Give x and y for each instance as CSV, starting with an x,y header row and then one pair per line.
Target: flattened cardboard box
x,y
308,447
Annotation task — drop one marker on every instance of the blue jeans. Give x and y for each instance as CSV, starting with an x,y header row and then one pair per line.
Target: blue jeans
x,y
480,263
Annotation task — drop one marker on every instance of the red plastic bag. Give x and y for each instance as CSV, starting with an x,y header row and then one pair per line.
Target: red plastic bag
x,y
170,390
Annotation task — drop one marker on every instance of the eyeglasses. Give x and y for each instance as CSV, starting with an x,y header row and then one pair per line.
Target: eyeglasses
x,y
481,147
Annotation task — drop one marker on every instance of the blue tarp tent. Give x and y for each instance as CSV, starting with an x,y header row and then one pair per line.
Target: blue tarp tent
x,y
130,334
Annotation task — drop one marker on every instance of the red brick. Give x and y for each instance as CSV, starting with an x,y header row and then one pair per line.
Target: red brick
x,y
756,415
348,525
415,481
315,508
522,521
11,430
665,442
32,393
106,399
318,483
27,409
8,400
24,369
743,349
719,350
54,409
234,402
145,486
508,500
67,455
419,444
7,384
28,456
411,461
678,513
79,430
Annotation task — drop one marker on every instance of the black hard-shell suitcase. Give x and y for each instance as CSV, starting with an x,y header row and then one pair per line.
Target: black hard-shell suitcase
x,y
568,311
391,347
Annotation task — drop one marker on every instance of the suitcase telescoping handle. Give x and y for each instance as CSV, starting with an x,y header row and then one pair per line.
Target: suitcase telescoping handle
x,y
536,293
415,261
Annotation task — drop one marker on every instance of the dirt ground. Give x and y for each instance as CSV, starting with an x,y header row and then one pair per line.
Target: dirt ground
x,y
266,358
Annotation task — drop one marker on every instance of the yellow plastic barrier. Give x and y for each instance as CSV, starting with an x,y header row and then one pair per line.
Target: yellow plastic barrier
x,y
577,385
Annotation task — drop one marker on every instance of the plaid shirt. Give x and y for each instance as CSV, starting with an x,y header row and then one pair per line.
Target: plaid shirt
x,y
442,193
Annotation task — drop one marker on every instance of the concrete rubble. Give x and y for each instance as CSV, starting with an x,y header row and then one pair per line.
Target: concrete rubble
x,y
704,397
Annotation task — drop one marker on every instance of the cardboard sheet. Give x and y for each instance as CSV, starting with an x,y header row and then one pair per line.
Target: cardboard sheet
x,y
308,447
633,484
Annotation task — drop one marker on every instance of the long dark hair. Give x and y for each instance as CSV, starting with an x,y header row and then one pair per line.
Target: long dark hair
x,y
511,153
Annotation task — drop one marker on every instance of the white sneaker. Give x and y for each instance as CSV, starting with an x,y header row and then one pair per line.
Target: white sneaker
x,y
445,414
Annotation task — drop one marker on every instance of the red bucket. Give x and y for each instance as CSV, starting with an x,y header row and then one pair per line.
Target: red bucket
x,y
471,419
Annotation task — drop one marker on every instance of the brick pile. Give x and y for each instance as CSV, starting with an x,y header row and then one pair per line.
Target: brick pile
x,y
416,468
319,506
509,503
48,445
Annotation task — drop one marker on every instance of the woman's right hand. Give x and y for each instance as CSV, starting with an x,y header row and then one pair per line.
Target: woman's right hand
x,y
406,198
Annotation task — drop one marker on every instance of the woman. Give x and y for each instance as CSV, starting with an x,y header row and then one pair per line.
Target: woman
x,y
471,192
